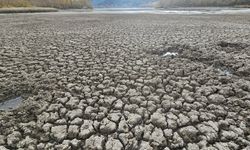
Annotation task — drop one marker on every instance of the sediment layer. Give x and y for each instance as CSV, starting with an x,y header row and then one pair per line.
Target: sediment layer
x,y
92,81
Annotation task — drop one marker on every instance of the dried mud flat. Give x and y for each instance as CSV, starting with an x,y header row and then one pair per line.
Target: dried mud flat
x,y
93,81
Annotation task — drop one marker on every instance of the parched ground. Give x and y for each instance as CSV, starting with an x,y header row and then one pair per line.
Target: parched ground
x,y
125,81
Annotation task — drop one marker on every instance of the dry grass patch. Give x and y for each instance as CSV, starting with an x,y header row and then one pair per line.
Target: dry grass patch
x,y
15,3
62,4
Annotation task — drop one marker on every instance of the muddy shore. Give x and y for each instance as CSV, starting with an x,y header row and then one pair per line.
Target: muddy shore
x,y
125,81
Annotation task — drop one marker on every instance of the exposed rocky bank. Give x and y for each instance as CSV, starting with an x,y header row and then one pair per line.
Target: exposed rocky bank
x,y
92,81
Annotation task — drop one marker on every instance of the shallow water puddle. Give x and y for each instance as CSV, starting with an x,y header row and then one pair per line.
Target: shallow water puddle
x,y
224,72
11,104
170,54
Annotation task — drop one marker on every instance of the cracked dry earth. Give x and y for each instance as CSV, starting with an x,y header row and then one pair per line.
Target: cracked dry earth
x,y
96,81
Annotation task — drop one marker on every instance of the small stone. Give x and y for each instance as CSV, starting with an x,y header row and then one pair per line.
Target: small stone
x,y
179,72
73,131
188,96
70,85
100,86
13,138
86,89
168,133
145,146
232,145
217,98
223,124
183,120
64,146
159,120
54,107
89,111
63,111
107,126
221,145
77,121
131,107
210,133
94,142
124,137
50,146
138,131
248,121
59,132
113,144
154,98
166,104
146,90
74,113
114,116
148,131
246,148
47,126
192,146
43,117
53,117
132,92
134,119
139,62
3,69
40,146
75,143
123,126
2,140
137,100
3,148
158,137
177,141
172,124
28,141
226,91
118,104
73,102
189,133
228,135
86,129
109,100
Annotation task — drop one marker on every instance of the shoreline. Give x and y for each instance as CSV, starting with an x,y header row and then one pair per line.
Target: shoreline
x,y
27,10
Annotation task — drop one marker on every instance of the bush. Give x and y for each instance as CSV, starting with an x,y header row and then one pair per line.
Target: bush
x,y
27,10
204,3
63,4
15,3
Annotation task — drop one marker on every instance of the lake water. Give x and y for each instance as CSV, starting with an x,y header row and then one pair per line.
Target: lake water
x,y
191,10
184,10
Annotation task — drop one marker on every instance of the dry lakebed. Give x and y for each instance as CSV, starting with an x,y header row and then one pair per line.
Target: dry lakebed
x,y
124,81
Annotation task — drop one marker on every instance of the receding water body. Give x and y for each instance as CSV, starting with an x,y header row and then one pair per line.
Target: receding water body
x,y
198,10
181,11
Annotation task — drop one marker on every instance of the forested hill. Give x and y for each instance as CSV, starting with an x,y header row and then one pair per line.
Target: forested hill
x,y
62,4
202,3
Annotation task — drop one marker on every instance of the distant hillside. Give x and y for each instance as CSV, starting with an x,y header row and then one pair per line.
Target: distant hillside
x,y
201,3
122,3
62,4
